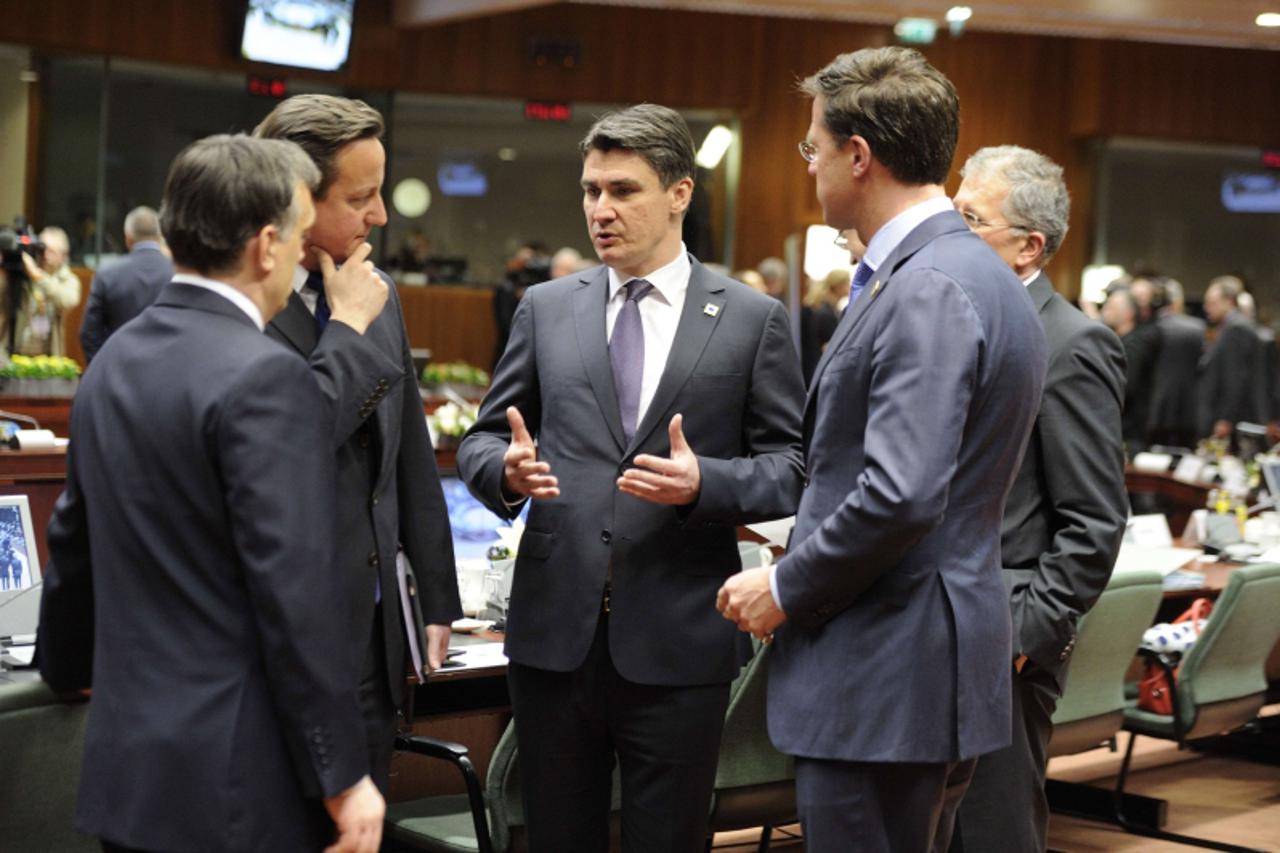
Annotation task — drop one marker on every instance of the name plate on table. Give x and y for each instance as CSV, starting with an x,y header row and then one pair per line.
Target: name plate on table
x,y
1189,470
1149,531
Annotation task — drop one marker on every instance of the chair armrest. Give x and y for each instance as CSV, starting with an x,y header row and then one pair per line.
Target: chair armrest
x,y
457,755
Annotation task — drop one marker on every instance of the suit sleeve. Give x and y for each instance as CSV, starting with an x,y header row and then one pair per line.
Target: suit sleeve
x,y
1083,467
1240,350
923,365
271,438
64,646
354,373
515,383
424,516
93,325
766,480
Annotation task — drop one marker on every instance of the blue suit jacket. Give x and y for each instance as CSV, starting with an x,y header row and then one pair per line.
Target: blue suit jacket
x,y
187,568
897,644
119,292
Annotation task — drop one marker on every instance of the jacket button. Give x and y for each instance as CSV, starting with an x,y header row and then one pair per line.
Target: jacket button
x,y
382,383
606,537
806,481
373,559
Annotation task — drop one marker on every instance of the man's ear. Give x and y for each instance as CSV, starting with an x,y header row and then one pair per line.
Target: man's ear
x,y
681,195
265,243
1032,251
859,156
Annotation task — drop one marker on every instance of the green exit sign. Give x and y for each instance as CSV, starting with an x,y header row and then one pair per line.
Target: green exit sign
x,y
915,30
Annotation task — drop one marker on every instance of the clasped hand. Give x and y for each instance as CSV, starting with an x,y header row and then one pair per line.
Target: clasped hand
x,y
747,601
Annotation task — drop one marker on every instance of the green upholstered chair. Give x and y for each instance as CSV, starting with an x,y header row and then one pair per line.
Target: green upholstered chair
x,y
1221,683
755,784
1091,710
41,741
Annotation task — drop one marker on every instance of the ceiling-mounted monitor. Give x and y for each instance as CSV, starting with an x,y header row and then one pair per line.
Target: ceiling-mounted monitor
x,y
301,33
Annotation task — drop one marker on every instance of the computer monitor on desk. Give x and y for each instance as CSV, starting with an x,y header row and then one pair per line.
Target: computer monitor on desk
x,y
473,525
19,572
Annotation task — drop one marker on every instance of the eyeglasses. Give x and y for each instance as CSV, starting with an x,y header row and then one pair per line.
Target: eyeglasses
x,y
808,151
976,223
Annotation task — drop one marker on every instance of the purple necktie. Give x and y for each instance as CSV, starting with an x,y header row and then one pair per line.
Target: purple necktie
x,y
626,355
315,281
860,278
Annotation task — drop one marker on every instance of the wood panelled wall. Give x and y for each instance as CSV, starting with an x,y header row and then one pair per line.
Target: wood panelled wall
x,y
1053,94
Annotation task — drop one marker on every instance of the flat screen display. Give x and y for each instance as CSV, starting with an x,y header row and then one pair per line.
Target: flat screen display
x,y
473,525
302,33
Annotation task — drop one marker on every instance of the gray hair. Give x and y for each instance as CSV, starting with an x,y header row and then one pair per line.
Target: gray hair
x,y
773,269
223,189
1173,291
1037,199
658,134
1229,285
53,234
142,223
323,125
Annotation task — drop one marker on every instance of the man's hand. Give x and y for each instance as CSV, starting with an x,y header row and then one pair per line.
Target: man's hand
x,y
356,294
33,269
522,473
675,481
746,600
437,646
358,813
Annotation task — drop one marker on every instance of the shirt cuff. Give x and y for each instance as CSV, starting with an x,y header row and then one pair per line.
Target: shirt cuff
x,y
773,586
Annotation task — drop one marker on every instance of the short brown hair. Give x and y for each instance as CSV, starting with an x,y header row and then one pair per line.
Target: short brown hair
x,y
906,110
322,125
658,134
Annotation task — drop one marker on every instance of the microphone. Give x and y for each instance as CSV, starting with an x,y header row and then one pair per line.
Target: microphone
x,y
17,416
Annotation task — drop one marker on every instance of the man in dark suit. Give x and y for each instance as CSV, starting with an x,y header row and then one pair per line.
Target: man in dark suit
x,y
665,401
121,290
1174,418
389,494
1230,364
1065,515
890,671
200,609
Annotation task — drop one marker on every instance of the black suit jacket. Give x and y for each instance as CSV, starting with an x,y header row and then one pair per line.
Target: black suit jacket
x,y
389,493
734,375
1142,354
1065,514
1228,374
1173,404
186,569
119,292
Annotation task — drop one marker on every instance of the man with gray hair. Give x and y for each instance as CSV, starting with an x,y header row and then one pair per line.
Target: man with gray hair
x,y
774,273
1228,371
121,290
54,289
1173,419
1065,515
200,610
665,403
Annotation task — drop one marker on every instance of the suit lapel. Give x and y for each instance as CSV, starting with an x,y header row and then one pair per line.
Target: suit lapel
x,y
1041,292
919,237
296,325
692,333
589,319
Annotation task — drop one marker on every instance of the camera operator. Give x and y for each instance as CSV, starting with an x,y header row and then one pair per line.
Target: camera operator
x,y
53,289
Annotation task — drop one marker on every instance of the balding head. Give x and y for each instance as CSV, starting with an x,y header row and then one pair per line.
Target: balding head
x,y
142,223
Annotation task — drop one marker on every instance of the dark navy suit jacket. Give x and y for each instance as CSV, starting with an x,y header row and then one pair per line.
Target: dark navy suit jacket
x,y
897,644
191,588
119,292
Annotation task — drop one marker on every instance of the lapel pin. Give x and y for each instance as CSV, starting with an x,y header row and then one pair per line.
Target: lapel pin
x,y
875,288
711,309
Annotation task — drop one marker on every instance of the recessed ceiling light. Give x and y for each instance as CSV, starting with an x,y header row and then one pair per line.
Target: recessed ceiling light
x,y
718,140
959,14
1268,19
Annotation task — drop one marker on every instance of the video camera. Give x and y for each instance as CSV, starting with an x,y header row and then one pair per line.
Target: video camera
x,y
14,243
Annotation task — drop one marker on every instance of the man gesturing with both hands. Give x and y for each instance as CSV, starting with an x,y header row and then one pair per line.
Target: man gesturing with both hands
x,y
664,401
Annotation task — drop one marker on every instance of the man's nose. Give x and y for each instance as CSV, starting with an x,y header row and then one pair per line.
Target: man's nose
x,y
379,211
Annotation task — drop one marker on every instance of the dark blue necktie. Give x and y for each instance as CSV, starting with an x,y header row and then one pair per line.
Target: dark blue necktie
x,y
860,279
315,281
626,355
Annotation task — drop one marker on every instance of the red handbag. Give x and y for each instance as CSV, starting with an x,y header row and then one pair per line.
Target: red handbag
x,y
1154,692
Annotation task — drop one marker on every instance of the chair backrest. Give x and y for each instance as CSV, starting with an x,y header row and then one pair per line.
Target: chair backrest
x,y
1222,680
1092,705
502,790
41,742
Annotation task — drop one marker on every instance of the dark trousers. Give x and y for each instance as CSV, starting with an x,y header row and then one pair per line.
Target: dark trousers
x,y
376,707
878,807
1005,808
570,726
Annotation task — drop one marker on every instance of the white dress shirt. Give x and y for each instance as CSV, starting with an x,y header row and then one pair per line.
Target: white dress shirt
x,y
659,317
309,296
235,297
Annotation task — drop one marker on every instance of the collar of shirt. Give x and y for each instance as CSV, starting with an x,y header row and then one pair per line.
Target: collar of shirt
x,y
154,245
308,296
896,229
670,281
235,297
1026,282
